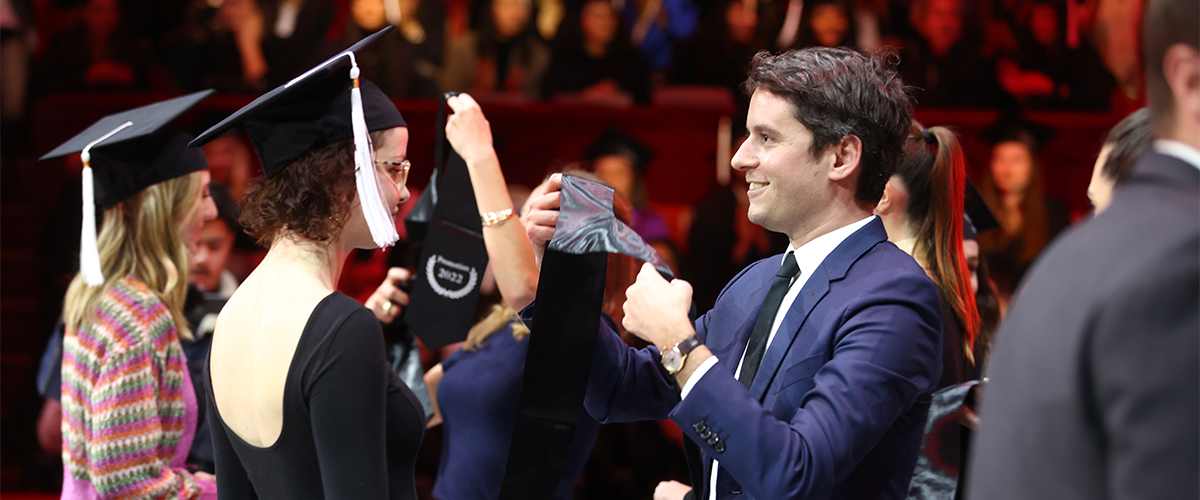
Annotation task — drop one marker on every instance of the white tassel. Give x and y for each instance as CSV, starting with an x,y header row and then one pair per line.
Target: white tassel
x,y
89,254
378,216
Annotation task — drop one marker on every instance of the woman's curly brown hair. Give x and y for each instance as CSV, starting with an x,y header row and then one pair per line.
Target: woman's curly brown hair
x,y
312,196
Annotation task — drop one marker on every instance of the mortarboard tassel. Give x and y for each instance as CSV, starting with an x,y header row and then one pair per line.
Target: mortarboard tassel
x,y
89,254
379,218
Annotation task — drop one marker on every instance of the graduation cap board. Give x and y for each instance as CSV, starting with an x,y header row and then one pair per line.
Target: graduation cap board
x,y
123,154
977,217
326,104
446,228
564,333
1014,128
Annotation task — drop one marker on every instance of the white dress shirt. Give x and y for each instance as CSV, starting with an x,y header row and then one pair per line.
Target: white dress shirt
x,y
809,257
1179,150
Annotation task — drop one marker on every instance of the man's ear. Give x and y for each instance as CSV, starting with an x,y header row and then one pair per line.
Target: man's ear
x,y
1181,68
847,156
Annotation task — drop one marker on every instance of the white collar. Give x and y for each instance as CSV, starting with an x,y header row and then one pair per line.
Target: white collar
x,y
810,255
1180,150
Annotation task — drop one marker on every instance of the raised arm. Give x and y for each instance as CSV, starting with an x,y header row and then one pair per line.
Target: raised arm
x,y
471,136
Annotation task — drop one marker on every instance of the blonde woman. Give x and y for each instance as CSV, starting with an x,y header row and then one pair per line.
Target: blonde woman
x,y
129,409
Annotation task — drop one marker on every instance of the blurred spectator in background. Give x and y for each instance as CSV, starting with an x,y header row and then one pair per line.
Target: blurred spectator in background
x,y
594,61
404,63
292,34
98,53
1047,71
17,43
1013,189
656,26
219,46
943,63
1123,147
620,161
720,52
230,160
503,56
723,241
828,23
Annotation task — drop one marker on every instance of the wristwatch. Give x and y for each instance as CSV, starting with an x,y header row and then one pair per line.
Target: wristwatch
x,y
675,356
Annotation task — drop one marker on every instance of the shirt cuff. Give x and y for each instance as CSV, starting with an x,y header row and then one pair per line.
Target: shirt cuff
x,y
700,371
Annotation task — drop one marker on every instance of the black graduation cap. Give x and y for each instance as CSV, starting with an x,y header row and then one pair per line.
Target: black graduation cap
x,y
1013,127
977,217
123,154
326,104
615,142
311,111
564,334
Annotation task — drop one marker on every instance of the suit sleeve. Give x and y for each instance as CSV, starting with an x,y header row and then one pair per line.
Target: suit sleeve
x,y
886,354
346,393
626,384
1145,379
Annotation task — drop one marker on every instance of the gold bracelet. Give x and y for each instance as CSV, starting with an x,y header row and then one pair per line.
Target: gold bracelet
x,y
495,218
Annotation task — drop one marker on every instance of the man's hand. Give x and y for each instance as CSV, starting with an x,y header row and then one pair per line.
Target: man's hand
x,y
388,300
657,311
671,490
204,476
468,130
543,217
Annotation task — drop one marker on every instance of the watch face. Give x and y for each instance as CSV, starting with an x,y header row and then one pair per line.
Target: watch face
x,y
672,360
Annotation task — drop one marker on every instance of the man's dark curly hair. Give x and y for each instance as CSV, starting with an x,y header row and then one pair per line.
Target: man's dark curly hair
x,y
311,197
837,92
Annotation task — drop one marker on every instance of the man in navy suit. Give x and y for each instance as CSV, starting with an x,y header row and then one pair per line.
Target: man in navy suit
x,y
811,376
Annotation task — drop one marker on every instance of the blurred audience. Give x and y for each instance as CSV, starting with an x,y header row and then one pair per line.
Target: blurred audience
x,y
1048,72
720,51
944,59
505,56
404,63
219,46
593,61
656,26
98,53
1013,189
828,23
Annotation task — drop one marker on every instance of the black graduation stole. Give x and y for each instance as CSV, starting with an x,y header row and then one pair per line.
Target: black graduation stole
x,y
448,235
563,336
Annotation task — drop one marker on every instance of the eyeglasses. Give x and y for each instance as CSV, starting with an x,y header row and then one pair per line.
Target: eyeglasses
x,y
397,169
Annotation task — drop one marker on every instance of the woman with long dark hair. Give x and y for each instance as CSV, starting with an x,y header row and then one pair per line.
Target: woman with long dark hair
x,y
922,209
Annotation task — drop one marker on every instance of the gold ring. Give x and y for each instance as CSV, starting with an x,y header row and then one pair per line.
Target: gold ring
x,y
387,307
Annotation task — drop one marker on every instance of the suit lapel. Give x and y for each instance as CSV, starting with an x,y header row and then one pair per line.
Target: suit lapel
x,y
833,268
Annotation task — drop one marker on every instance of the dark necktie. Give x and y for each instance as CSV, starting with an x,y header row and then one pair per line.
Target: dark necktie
x,y
766,318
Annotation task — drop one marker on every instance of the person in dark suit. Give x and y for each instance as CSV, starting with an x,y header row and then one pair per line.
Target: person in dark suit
x,y
812,375
1095,380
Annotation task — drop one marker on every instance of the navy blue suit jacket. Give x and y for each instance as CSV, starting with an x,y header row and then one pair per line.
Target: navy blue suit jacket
x,y
837,407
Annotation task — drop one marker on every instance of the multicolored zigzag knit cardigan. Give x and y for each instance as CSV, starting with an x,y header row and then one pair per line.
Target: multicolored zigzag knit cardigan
x,y
123,400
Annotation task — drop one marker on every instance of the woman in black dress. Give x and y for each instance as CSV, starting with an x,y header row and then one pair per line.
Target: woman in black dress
x,y
302,401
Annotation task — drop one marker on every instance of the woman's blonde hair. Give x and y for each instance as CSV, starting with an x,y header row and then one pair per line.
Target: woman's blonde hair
x,y
141,236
